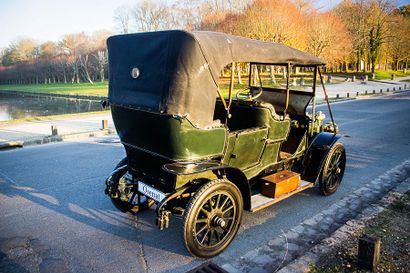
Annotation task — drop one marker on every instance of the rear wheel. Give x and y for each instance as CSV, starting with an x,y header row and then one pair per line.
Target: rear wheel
x,y
212,218
333,169
141,202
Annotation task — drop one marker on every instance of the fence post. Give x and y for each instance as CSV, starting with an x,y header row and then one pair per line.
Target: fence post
x,y
104,124
54,130
368,252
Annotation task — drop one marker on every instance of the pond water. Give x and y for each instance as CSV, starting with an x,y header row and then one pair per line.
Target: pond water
x,y
16,106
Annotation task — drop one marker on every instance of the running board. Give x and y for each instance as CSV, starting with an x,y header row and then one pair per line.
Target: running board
x,y
260,201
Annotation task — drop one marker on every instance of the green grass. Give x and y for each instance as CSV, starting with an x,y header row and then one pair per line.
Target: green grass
x,y
382,74
101,89
39,118
84,89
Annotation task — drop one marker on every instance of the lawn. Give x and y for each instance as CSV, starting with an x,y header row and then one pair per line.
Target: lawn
x,y
84,89
380,74
386,74
101,89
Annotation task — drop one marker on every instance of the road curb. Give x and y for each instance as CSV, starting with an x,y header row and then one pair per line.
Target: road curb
x,y
295,250
11,144
303,263
332,100
57,138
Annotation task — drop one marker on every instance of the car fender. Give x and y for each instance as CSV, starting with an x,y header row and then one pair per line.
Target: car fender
x,y
233,174
316,154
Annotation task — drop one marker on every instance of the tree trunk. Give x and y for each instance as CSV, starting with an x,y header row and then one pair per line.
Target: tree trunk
x,y
102,74
65,76
272,74
84,65
238,73
255,75
77,76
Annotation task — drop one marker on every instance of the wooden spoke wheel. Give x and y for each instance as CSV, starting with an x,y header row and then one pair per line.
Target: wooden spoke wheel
x,y
212,218
333,169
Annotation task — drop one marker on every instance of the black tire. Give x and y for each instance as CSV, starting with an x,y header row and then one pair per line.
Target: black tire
x,y
216,211
333,169
127,207
122,162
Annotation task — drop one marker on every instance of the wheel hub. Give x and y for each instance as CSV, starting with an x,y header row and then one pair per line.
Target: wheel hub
x,y
218,222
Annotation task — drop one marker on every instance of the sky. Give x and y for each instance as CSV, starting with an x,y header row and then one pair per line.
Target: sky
x,y
45,20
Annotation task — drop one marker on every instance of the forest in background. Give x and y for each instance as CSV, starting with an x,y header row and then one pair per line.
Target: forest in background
x,y
355,35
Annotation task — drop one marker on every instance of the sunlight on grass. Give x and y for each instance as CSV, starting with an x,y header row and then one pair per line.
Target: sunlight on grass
x,y
380,75
85,89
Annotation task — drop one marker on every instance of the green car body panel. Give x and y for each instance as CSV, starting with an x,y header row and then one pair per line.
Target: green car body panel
x,y
167,136
172,139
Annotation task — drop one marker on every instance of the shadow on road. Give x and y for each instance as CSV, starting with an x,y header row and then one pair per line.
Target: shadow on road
x,y
84,202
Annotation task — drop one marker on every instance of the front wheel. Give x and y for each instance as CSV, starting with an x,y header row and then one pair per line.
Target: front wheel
x,y
333,169
212,218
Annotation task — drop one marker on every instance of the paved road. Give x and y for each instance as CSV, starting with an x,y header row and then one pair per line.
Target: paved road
x,y
343,89
38,129
55,216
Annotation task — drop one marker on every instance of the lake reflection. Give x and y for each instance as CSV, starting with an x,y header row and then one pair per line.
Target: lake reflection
x,y
15,106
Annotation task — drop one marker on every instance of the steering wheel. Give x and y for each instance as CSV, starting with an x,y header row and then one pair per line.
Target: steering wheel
x,y
246,94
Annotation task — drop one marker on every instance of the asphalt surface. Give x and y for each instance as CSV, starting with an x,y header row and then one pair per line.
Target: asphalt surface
x,y
54,214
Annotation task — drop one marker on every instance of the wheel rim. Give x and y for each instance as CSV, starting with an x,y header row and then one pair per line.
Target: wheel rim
x,y
335,170
215,219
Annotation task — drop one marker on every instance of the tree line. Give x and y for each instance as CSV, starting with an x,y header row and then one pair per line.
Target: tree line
x,y
355,35
75,58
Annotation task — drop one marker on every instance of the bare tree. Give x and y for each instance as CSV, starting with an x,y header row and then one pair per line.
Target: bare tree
x,y
102,60
151,15
122,18
305,6
85,65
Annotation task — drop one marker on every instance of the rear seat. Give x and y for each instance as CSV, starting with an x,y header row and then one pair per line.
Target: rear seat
x,y
272,110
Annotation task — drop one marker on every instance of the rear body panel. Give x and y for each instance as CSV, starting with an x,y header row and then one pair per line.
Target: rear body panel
x,y
152,140
166,136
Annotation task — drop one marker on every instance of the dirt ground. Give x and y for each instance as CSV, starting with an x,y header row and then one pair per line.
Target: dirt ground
x,y
392,226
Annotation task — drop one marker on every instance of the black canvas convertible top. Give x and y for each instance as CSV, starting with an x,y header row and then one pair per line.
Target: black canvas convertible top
x,y
179,70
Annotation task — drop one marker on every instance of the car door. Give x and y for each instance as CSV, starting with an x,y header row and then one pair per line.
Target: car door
x,y
249,145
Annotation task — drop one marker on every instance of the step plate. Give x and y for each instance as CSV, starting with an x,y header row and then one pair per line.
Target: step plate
x,y
260,201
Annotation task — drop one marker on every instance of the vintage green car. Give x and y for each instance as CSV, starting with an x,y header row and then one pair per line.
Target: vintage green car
x,y
202,149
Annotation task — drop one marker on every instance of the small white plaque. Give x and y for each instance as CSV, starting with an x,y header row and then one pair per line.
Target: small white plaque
x,y
150,192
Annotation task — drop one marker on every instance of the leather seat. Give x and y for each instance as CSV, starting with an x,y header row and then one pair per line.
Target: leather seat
x,y
269,106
